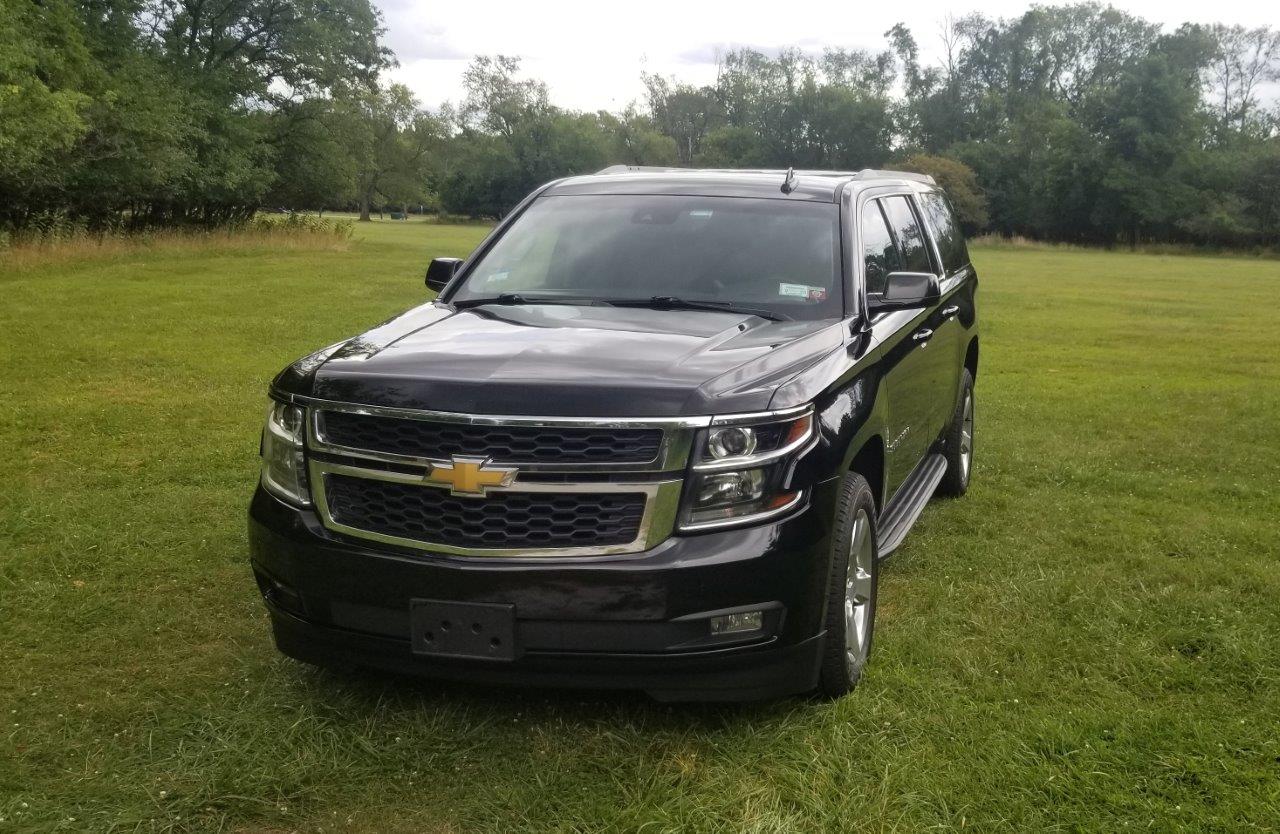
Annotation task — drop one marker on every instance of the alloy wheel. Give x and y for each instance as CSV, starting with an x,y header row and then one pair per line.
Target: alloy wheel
x,y
857,594
966,437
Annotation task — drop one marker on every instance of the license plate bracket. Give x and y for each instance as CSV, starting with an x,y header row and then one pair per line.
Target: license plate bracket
x,y
473,630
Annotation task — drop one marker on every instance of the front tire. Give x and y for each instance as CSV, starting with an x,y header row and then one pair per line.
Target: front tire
x,y
851,589
958,443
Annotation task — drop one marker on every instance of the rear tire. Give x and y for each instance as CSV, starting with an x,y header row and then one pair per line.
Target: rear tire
x,y
851,589
958,443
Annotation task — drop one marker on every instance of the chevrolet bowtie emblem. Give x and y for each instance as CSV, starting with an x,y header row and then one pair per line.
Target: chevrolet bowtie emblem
x,y
470,476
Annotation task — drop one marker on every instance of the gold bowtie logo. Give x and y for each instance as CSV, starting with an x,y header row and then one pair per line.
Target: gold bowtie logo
x,y
470,476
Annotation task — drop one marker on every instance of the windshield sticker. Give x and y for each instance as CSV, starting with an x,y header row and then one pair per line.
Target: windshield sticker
x,y
804,291
700,213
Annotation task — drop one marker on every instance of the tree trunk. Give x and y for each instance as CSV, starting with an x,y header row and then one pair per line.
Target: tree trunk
x,y
364,206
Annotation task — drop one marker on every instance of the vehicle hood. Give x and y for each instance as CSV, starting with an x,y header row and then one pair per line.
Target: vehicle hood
x,y
559,360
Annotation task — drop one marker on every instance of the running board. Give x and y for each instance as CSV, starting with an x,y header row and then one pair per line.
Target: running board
x,y
906,506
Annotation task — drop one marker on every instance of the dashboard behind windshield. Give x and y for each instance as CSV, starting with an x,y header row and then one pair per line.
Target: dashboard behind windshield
x,y
778,255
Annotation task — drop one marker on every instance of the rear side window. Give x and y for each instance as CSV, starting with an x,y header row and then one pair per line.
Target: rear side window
x,y
878,250
906,228
955,255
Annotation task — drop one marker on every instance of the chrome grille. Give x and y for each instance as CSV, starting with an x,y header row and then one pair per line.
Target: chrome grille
x,y
510,444
582,486
500,520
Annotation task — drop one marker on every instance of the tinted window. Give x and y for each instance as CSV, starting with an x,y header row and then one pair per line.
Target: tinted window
x,y
946,231
906,227
878,250
778,254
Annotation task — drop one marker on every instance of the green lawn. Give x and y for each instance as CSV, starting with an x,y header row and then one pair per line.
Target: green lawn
x,y
1089,640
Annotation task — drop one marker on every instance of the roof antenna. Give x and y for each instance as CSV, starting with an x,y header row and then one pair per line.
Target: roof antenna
x,y
789,181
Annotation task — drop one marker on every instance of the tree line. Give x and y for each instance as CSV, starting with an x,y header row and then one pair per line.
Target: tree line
x,y
1072,123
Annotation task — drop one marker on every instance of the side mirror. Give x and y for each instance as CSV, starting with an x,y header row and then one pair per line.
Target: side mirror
x,y
906,290
441,272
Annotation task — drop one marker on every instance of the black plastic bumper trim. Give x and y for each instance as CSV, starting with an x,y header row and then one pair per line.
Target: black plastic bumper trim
x,y
727,674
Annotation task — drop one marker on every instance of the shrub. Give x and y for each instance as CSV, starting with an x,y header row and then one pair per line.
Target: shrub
x,y
296,224
54,238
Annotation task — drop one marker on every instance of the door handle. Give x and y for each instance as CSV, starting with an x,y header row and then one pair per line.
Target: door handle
x,y
922,335
948,312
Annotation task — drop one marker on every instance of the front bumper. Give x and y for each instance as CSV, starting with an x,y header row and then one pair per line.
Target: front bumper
x,y
634,622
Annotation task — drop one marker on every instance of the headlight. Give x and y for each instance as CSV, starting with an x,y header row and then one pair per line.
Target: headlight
x,y
722,488
742,470
731,441
284,472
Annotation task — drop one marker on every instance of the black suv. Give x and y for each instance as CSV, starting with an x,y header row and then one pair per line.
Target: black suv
x,y
656,432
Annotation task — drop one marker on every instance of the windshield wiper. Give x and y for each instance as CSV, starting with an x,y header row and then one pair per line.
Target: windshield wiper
x,y
658,302
671,302
522,298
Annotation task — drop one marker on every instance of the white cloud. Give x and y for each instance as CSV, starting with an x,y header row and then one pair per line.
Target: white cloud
x,y
591,55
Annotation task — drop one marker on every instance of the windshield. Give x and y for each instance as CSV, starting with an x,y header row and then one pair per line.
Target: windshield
x,y
775,255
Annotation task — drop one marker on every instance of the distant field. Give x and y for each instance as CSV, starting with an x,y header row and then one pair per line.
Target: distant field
x,y
1089,641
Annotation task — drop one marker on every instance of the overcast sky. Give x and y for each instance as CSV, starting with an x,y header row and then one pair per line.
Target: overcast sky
x,y
591,54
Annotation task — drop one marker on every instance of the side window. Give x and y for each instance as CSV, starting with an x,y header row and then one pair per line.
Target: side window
x,y
955,255
911,240
878,250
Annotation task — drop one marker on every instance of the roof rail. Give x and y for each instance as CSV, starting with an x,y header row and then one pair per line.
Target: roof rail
x,y
864,174
873,174
635,169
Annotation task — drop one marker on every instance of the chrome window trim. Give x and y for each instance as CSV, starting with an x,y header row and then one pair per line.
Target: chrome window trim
x,y
662,499
876,193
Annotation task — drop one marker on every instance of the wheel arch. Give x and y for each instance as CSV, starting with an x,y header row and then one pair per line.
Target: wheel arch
x,y
971,357
851,420
868,462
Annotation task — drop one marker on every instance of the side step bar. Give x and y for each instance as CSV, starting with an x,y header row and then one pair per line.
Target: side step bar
x,y
906,506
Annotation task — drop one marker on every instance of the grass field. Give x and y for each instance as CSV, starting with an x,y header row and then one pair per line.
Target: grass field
x,y
1090,640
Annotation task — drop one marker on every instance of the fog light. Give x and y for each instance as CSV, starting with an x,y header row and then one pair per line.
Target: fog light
x,y
737,623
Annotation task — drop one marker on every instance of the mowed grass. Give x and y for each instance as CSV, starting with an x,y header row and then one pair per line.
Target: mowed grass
x,y
1090,640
